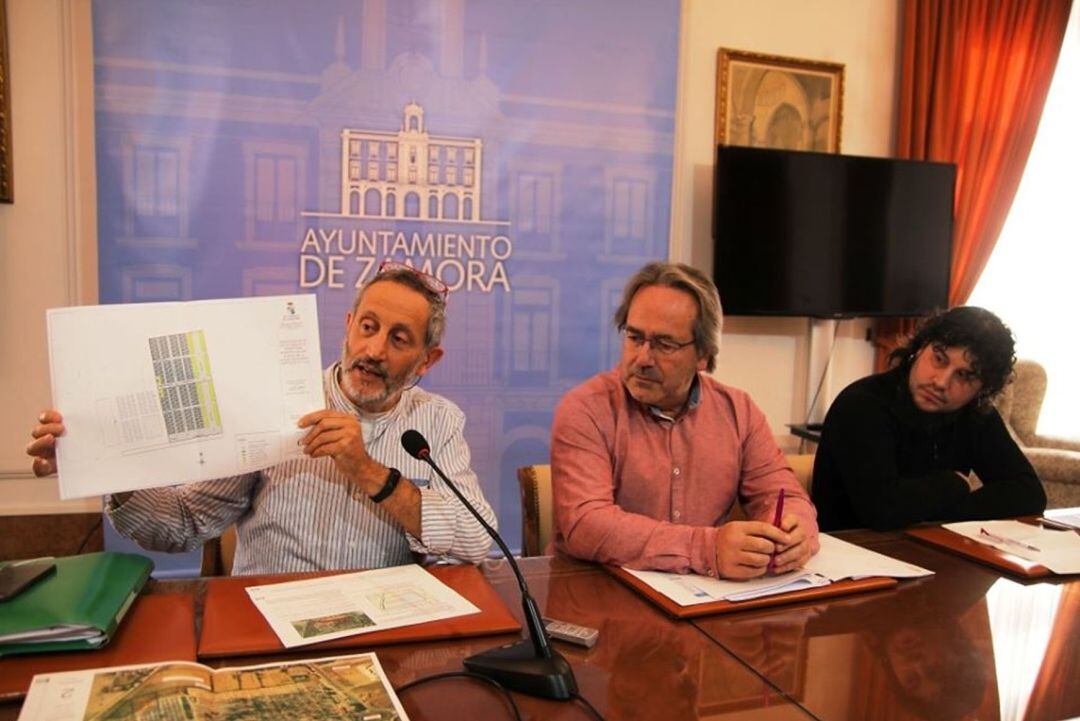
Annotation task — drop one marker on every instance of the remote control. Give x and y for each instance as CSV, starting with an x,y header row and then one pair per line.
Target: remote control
x,y
571,632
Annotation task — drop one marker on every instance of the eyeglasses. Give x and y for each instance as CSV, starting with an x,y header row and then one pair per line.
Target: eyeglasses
x,y
435,285
659,344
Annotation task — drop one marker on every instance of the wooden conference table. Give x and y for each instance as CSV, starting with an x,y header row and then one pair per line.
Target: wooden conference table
x,y
968,642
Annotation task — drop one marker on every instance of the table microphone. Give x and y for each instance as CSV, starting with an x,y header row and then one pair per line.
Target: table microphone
x,y
530,666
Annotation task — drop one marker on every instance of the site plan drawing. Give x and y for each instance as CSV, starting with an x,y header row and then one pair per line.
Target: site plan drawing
x,y
319,609
352,687
156,394
185,386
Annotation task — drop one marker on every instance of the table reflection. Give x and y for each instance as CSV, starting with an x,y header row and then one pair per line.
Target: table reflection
x,y
1035,629
646,665
963,644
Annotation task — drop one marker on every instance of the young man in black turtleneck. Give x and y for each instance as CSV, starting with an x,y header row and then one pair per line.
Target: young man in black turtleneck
x,y
922,441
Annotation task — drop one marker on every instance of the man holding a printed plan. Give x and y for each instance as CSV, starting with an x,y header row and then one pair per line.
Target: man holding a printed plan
x,y
649,459
923,441
356,499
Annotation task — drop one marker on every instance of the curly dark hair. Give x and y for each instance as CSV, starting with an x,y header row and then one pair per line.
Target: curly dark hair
x,y
986,338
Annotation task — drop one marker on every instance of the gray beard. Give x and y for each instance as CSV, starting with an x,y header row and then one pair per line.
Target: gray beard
x,y
371,401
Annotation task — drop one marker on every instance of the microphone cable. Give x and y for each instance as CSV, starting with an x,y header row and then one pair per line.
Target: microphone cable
x,y
585,702
464,674
90,534
502,689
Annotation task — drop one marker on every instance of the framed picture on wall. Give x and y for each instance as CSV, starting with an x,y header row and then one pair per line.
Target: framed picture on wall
x,y
769,101
7,194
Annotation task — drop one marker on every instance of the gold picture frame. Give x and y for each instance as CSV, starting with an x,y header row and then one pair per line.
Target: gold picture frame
x,y
771,101
7,176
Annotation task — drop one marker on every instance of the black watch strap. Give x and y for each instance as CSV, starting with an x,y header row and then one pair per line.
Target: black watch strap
x,y
392,479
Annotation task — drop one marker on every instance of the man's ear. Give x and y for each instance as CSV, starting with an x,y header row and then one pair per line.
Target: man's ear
x,y
348,321
433,356
702,363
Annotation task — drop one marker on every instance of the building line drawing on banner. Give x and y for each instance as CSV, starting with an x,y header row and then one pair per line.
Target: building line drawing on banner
x,y
410,175
524,181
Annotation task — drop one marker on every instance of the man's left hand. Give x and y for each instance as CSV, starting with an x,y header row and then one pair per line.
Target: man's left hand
x,y
797,551
338,435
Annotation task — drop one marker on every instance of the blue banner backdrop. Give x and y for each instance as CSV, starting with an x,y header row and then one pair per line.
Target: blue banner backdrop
x,y
520,150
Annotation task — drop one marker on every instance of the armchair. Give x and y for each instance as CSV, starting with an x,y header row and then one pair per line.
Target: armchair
x,y
1056,460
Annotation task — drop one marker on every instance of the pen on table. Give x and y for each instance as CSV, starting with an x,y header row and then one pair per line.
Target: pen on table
x,y
1003,539
777,517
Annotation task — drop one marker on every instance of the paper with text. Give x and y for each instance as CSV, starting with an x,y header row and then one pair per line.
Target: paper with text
x,y
835,561
319,609
1057,550
156,394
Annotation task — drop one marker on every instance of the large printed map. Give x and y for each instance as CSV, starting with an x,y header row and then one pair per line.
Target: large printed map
x,y
342,687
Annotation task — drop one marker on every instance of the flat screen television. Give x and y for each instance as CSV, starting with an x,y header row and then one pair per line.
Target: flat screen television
x,y
831,236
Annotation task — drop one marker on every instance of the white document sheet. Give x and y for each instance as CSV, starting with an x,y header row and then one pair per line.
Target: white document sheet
x,y
319,609
1057,550
835,561
155,394
1067,517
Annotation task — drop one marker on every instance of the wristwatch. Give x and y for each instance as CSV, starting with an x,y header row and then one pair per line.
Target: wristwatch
x,y
392,479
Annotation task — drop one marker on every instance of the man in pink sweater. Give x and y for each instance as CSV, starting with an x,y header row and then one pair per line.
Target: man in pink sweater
x,y
649,459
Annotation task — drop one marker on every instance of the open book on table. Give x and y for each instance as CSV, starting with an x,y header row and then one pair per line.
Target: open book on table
x,y
337,687
836,561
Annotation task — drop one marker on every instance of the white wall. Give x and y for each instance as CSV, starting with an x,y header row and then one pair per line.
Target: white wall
x,y
47,237
770,357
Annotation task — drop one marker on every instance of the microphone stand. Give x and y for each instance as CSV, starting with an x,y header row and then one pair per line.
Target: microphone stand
x,y
530,666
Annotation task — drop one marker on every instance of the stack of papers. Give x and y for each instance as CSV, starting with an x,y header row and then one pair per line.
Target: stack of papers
x,y
837,560
1057,550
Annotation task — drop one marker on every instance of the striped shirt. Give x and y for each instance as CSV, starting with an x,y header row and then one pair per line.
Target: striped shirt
x,y
304,515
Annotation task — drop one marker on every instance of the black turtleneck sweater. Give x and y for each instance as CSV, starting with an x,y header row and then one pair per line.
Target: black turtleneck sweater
x,y
883,463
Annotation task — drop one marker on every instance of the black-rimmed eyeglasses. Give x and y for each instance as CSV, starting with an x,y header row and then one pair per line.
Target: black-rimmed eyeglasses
x,y
660,344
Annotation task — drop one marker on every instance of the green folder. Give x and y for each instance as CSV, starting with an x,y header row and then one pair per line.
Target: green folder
x,y
76,608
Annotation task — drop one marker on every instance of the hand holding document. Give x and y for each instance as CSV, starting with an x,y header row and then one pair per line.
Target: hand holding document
x,y
837,560
156,394
320,609
1057,550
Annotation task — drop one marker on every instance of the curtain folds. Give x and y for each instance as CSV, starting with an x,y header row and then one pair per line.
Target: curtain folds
x,y
974,76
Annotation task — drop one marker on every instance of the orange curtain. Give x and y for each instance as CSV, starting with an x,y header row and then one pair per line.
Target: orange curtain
x,y
973,80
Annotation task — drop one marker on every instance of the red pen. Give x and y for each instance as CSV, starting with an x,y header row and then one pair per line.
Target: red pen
x,y
777,517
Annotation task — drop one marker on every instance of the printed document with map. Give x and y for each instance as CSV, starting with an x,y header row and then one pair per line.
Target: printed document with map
x,y
156,394
347,604
325,688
